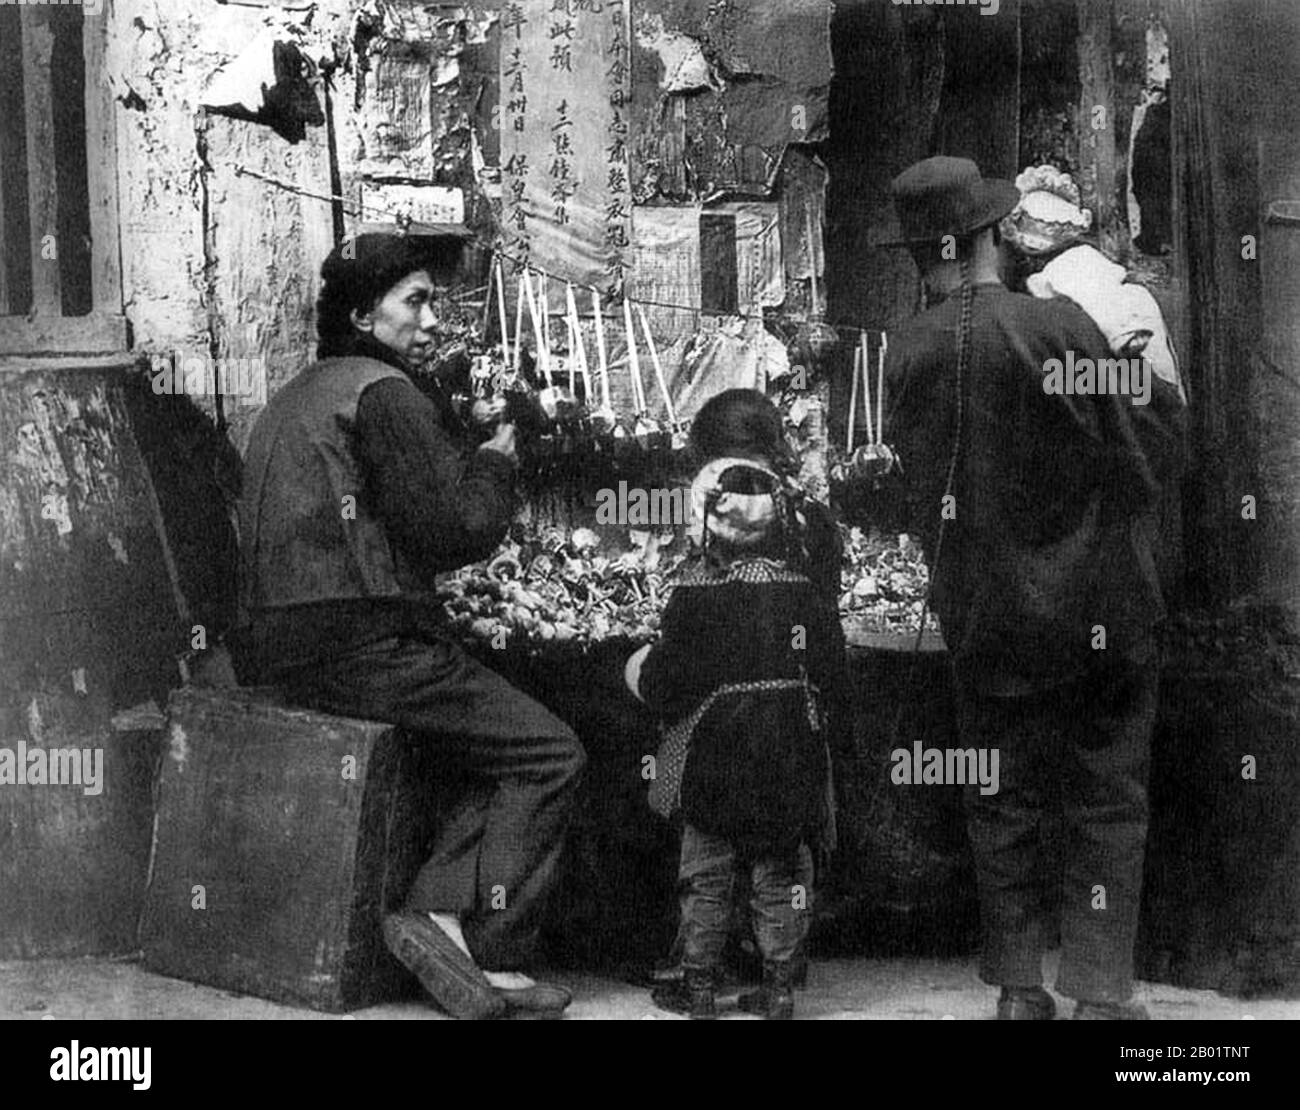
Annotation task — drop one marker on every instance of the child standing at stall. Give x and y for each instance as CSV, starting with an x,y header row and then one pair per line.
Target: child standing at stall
x,y
751,655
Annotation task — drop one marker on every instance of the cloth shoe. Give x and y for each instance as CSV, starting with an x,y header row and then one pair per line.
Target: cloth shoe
x,y
541,1000
743,962
1110,1011
1025,1004
695,994
451,977
774,1000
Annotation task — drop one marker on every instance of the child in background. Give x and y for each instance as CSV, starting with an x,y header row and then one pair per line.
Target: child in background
x,y
750,658
1045,231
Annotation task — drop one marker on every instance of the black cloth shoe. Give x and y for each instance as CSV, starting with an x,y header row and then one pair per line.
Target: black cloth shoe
x,y
1111,1011
774,1000
455,981
1025,1004
745,968
695,994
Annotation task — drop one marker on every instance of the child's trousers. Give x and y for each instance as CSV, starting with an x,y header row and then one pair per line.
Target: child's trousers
x,y
781,897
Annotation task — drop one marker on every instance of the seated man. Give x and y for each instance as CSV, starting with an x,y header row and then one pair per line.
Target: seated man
x,y
355,496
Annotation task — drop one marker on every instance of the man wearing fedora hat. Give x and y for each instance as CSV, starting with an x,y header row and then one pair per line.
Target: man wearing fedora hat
x,y
1035,511
356,494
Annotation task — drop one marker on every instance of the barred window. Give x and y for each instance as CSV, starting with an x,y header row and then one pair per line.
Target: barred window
x,y
60,281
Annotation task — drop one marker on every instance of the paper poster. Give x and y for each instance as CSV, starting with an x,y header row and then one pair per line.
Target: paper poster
x,y
666,268
416,205
565,85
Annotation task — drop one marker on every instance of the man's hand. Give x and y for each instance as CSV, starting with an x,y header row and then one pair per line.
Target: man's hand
x,y
503,442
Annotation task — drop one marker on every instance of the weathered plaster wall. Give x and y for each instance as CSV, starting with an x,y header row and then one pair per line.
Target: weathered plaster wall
x,y
225,219
720,90
215,263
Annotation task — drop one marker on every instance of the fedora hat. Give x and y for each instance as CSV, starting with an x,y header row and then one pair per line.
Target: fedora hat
x,y
946,196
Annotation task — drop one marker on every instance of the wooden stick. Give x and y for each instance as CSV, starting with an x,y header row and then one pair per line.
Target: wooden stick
x,y
580,344
571,347
598,310
633,360
659,370
501,310
543,354
487,298
880,389
853,397
866,384
812,258
544,290
519,327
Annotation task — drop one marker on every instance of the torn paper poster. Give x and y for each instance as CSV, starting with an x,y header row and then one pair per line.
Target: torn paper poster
x,y
243,81
788,39
724,260
803,214
565,81
411,204
760,280
411,29
727,354
666,268
403,53
685,68
394,124
446,69
770,113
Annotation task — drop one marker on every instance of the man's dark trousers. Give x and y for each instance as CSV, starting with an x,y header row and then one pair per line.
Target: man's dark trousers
x,y
1082,751
497,852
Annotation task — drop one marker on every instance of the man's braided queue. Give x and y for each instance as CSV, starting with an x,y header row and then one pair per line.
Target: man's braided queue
x,y
963,375
954,461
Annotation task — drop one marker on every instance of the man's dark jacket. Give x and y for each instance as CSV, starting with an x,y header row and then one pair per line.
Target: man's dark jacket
x,y
1049,551
357,492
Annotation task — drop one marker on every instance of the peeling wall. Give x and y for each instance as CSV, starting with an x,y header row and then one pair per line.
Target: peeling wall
x,y
225,219
221,248
88,624
720,90
215,263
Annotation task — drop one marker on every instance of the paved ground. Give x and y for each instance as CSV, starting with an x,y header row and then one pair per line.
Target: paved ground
x,y
902,989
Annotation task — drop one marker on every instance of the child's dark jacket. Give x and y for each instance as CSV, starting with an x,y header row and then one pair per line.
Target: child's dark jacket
x,y
738,641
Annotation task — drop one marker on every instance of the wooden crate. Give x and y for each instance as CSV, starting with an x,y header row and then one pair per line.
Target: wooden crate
x,y
283,836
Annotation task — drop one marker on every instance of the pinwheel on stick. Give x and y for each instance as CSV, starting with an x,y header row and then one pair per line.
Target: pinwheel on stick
x,y
676,434
603,418
644,430
875,458
556,402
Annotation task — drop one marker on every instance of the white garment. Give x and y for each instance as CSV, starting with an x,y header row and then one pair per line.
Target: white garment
x,y
1126,314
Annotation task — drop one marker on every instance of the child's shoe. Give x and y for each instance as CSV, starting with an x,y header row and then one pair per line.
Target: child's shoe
x,y
695,994
774,1000
747,962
